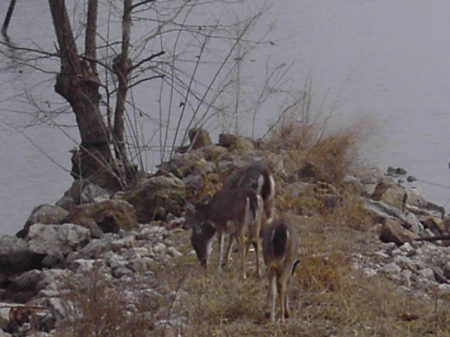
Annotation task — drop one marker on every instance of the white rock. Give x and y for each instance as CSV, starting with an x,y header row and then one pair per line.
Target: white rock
x,y
160,248
428,274
172,251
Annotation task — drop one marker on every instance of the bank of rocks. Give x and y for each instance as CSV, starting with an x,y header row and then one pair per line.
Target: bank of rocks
x,y
120,239
67,261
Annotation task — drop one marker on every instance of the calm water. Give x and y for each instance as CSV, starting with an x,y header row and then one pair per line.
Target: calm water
x,y
385,59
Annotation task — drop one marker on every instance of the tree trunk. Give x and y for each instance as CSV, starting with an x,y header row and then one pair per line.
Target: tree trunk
x,y
78,84
122,68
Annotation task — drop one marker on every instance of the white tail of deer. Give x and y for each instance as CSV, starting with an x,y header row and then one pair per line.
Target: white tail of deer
x,y
235,213
259,178
280,251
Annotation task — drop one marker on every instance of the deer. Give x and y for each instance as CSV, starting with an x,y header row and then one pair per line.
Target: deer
x,y
235,213
280,252
259,178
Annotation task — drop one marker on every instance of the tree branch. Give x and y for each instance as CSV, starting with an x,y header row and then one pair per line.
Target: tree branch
x,y
8,17
90,46
141,3
151,57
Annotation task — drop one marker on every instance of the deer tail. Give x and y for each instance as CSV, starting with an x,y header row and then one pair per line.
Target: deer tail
x,y
280,239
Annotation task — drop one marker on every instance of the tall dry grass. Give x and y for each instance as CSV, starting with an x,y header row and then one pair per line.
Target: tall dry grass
x,y
328,296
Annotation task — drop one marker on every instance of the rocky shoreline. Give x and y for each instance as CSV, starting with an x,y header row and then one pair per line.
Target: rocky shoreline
x,y
118,237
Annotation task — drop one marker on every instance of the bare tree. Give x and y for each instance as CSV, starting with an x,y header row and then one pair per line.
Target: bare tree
x,y
79,84
186,63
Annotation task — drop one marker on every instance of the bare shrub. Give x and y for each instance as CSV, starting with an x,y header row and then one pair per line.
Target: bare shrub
x,y
94,306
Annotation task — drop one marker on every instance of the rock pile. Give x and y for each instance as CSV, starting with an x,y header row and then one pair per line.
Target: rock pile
x,y
53,257
92,233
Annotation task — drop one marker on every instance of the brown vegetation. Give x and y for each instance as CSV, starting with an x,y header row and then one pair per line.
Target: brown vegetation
x,y
328,296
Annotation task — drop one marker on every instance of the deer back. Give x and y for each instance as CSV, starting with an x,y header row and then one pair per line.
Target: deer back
x,y
258,178
232,205
280,245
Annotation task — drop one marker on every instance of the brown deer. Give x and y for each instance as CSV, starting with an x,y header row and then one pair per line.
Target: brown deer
x,y
259,178
235,213
280,251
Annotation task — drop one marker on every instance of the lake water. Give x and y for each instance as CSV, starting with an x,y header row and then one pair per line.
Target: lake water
x,y
385,59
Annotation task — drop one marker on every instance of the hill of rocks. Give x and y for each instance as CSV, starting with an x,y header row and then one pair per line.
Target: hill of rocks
x,y
117,239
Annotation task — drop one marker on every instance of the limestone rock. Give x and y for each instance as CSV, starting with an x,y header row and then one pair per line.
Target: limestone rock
x,y
199,138
157,197
394,232
182,165
212,153
44,214
56,240
235,143
4,316
82,192
15,256
108,215
391,193
435,224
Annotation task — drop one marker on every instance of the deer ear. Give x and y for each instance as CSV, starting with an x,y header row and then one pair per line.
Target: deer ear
x,y
197,229
208,228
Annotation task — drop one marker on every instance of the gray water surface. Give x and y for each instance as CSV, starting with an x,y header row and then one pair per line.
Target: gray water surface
x,y
385,59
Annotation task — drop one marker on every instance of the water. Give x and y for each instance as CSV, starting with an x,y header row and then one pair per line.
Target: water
x,y
385,59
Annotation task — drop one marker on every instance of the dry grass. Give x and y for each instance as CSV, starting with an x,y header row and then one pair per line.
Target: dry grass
x,y
328,155
96,307
328,298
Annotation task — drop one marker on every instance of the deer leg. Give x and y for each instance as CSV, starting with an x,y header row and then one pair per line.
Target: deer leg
x,y
240,238
257,245
286,304
228,251
221,238
282,286
272,295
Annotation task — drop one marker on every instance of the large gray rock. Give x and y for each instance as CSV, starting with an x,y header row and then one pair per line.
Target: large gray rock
x,y
198,138
391,193
4,315
82,192
417,199
394,232
157,197
236,143
15,256
56,240
212,153
35,284
24,287
381,211
44,214
182,165
108,216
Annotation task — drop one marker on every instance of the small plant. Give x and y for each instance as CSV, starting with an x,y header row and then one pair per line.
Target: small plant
x,y
94,306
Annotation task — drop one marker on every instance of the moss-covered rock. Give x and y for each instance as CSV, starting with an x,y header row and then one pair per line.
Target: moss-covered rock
x,y
110,215
156,197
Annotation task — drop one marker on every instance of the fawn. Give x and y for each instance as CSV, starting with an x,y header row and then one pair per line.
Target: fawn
x,y
232,212
259,178
280,251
